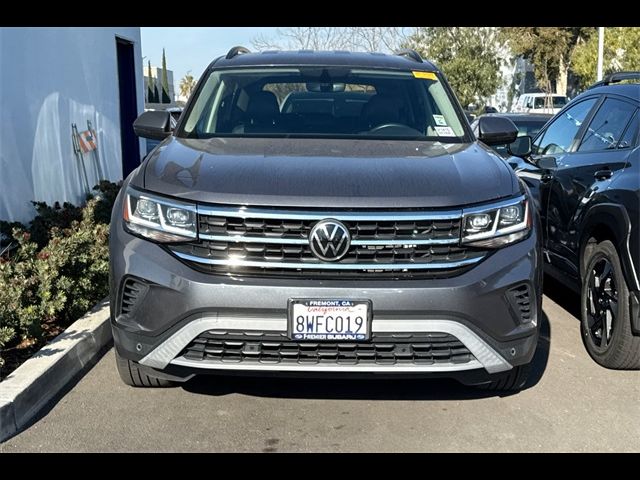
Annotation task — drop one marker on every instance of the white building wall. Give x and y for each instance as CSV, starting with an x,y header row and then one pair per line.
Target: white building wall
x,y
49,78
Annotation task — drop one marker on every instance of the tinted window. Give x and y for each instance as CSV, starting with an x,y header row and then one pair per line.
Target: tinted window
x,y
631,133
529,127
560,134
557,102
607,126
323,102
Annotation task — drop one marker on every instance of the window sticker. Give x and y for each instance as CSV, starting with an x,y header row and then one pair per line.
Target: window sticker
x,y
440,121
445,131
425,75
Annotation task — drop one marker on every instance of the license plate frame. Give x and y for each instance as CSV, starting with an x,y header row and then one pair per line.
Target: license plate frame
x,y
325,336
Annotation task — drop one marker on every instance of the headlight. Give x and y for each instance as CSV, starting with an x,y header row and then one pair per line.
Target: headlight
x,y
497,225
159,218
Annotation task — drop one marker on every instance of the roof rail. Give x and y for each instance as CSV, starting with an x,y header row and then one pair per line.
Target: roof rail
x,y
617,77
409,53
235,51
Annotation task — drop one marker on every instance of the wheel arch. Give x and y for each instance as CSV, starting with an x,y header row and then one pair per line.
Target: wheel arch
x,y
608,221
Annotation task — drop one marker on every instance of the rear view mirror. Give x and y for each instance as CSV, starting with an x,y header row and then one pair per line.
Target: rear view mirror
x,y
520,147
154,124
325,87
495,130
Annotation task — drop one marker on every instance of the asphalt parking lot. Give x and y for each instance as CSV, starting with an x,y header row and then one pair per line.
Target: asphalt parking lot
x,y
570,404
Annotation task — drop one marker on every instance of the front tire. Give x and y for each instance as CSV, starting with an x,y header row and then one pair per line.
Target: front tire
x,y
131,374
606,322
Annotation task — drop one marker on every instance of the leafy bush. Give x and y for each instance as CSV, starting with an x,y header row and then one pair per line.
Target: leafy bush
x,y
61,281
108,191
56,216
47,217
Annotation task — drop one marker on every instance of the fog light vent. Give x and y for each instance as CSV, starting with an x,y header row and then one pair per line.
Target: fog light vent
x,y
519,298
132,291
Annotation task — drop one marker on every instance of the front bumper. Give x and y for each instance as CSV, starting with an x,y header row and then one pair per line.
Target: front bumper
x,y
178,304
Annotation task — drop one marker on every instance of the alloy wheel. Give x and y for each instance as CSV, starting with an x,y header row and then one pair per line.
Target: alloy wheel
x,y
602,303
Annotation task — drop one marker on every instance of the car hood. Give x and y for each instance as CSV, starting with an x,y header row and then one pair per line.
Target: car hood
x,y
327,173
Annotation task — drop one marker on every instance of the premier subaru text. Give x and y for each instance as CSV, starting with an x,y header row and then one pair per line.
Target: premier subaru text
x,y
325,213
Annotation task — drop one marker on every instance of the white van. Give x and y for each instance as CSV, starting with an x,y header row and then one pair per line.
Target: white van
x,y
536,103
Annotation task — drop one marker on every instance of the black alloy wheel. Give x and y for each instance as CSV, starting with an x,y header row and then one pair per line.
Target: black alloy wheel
x,y
606,321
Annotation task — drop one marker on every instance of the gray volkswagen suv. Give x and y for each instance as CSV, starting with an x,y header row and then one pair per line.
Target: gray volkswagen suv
x,y
324,213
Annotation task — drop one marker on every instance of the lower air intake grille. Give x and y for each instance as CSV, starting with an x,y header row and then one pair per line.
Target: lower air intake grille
x,y
275,347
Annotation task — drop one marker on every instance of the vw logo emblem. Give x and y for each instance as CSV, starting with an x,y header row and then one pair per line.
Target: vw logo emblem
x,y
329,240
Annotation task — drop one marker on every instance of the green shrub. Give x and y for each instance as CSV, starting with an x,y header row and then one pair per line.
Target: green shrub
x,y
56,216
61,281
47,217
107,193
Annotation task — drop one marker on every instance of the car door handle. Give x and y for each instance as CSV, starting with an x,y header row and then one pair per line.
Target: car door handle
x,y
603,174
546,177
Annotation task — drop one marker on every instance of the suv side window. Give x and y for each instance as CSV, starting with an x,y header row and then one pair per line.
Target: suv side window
x,y
607,126
631,134
559,136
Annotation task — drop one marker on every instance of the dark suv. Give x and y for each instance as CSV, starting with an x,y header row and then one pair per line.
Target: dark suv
x,y
324,213
584,170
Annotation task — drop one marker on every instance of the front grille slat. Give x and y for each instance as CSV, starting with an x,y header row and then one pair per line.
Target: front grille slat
x,y
269,242
383,349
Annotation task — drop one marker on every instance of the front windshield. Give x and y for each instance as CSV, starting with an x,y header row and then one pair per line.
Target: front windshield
x,y
322,102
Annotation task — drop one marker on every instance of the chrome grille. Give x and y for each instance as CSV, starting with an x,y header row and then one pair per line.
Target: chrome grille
x,y
445,231
270,242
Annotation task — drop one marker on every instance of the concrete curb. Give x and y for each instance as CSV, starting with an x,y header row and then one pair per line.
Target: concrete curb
x,y
28,388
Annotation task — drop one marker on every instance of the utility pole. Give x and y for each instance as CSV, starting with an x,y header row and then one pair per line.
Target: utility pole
x,y
600,51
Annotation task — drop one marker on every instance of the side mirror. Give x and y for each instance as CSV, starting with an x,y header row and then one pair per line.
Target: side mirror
x,y
520,147
155,125
547,163
495,130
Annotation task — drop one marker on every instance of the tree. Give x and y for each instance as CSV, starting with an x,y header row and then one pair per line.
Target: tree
x,y
165,81
151,88
187,84
369,39
549,49
468,56
621,52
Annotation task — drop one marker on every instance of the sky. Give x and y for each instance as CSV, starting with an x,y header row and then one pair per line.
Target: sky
x,y
194,48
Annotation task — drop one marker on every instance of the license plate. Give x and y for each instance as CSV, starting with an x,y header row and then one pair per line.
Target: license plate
x,y
329,319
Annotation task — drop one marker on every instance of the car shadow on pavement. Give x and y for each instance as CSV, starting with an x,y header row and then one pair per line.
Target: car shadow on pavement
x,y
562,295
363,389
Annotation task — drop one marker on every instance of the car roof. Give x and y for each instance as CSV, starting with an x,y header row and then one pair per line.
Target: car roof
x,y
521,116
630,90
542,94
323,58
